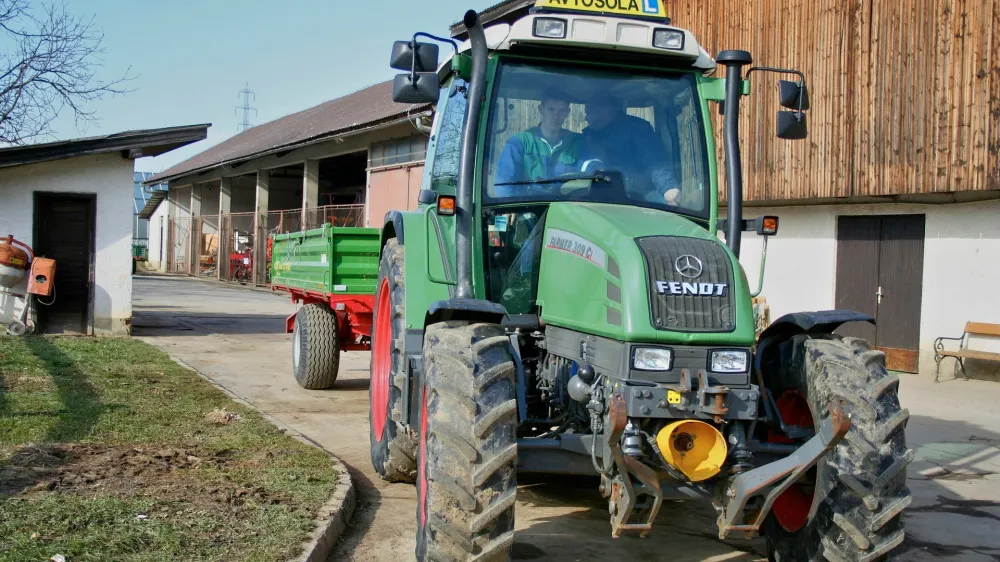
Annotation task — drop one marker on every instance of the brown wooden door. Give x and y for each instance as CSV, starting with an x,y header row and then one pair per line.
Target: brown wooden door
x,y
64,231
857,271
880,263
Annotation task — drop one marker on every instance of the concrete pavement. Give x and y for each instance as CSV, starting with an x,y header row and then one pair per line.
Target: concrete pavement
x,y
236,337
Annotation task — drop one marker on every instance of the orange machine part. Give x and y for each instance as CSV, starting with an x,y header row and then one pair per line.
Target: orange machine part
x,y
11,255
43,274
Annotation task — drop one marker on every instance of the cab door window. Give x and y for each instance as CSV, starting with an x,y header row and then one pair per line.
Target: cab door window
x,y
448,141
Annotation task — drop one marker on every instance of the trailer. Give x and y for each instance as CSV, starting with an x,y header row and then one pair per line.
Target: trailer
x,y
331,271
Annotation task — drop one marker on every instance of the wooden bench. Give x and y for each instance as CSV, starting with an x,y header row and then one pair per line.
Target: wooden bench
x,y
978,329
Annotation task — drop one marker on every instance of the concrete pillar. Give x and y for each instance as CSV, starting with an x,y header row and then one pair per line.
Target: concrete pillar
x,y
260,226
194,252
310,190
172,210
225,207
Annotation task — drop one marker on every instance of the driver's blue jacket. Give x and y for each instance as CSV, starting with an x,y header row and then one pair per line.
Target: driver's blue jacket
x,y
527,156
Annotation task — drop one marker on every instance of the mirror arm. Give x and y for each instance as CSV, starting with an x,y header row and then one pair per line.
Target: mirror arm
x,y
413,63
760,278
453,44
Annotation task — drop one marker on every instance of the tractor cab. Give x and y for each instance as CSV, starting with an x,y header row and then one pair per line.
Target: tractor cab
x,y
590,113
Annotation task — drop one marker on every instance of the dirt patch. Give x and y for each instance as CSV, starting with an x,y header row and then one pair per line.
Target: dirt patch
x,y
171,475
222,417
27,383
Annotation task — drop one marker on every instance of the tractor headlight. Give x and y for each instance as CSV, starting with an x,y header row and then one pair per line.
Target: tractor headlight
x,y
668,39
550,28
652,359
729,361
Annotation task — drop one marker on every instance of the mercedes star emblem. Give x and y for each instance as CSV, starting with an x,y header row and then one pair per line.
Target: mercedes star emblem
x,y
689,266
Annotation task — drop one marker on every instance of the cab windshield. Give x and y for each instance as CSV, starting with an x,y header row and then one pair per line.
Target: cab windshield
x,y
571,133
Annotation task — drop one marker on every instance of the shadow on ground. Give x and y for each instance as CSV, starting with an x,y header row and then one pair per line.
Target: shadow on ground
x,y
151,323
81,407
955,509
956,490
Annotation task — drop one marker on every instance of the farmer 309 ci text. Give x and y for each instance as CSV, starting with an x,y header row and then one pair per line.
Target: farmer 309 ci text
x,y
561,302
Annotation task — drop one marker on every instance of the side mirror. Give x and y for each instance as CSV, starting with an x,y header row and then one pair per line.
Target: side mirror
x,y
792,125
422,87
792,94
406,53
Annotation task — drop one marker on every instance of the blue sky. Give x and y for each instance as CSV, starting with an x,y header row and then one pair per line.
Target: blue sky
x,y
191,58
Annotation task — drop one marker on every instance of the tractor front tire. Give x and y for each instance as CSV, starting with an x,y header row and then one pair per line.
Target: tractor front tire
x,y
393,447
467,462
315,347
860,485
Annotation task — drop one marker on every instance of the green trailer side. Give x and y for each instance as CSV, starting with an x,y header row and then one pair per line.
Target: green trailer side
x,y
328,260
333,273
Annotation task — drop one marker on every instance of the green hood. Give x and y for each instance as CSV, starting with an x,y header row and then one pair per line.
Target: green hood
x,y
595,277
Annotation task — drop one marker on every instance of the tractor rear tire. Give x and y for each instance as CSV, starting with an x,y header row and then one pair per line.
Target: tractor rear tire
x,y
393,446
316,349
467,463
860,485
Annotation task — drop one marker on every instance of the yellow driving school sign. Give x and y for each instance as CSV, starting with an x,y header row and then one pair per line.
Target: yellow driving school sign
x,y
640,8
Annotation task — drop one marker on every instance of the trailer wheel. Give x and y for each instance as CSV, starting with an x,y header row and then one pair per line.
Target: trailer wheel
x,y
315,347
393,448
467,463
859,488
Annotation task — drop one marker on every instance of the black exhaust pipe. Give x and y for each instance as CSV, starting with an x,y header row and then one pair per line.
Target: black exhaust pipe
x,y
467,157
734,61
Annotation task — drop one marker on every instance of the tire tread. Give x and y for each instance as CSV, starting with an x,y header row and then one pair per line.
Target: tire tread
x,y
471,444
863,479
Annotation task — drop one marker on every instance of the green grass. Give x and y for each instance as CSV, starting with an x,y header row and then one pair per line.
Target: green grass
x,y
83,426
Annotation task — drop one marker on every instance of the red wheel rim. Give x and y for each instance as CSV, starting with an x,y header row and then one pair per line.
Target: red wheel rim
x,y
381,361
792,507
422,466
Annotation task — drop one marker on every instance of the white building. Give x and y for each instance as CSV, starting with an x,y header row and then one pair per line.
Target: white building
x,y
921,270
70,201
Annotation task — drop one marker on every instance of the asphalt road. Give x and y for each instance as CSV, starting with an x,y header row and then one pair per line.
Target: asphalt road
x,y
236,337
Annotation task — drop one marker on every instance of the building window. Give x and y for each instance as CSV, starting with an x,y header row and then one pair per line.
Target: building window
x,y
399,151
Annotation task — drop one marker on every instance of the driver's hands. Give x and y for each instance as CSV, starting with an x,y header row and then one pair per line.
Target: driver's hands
x,y
672,197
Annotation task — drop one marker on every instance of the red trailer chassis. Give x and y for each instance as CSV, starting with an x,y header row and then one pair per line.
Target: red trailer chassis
x,y
354,315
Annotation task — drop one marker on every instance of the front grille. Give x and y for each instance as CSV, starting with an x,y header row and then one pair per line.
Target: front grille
x,y
689,313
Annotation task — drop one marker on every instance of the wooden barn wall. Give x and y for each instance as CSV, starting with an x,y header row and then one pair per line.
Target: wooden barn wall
x,y
905,93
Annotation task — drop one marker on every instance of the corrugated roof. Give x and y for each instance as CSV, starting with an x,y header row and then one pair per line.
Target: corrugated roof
x,y
361,109
154,202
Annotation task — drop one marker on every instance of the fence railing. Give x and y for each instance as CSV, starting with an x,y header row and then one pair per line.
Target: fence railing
x,y
226,247
337,215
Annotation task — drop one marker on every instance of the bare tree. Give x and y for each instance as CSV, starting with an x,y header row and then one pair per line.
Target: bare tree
x,y
48,64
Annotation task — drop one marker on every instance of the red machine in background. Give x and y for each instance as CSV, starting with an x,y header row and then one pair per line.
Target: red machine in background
x,y
17,260
241,266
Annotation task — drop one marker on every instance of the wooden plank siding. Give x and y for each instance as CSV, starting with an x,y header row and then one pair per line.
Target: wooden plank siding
x,y
905,93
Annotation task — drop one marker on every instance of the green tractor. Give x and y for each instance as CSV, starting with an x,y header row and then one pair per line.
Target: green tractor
x,y
561,303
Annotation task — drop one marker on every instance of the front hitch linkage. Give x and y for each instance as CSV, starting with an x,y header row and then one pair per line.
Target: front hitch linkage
x,y
791,468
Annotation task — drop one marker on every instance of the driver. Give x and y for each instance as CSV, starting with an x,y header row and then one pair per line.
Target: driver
x,y
630,144
542,152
